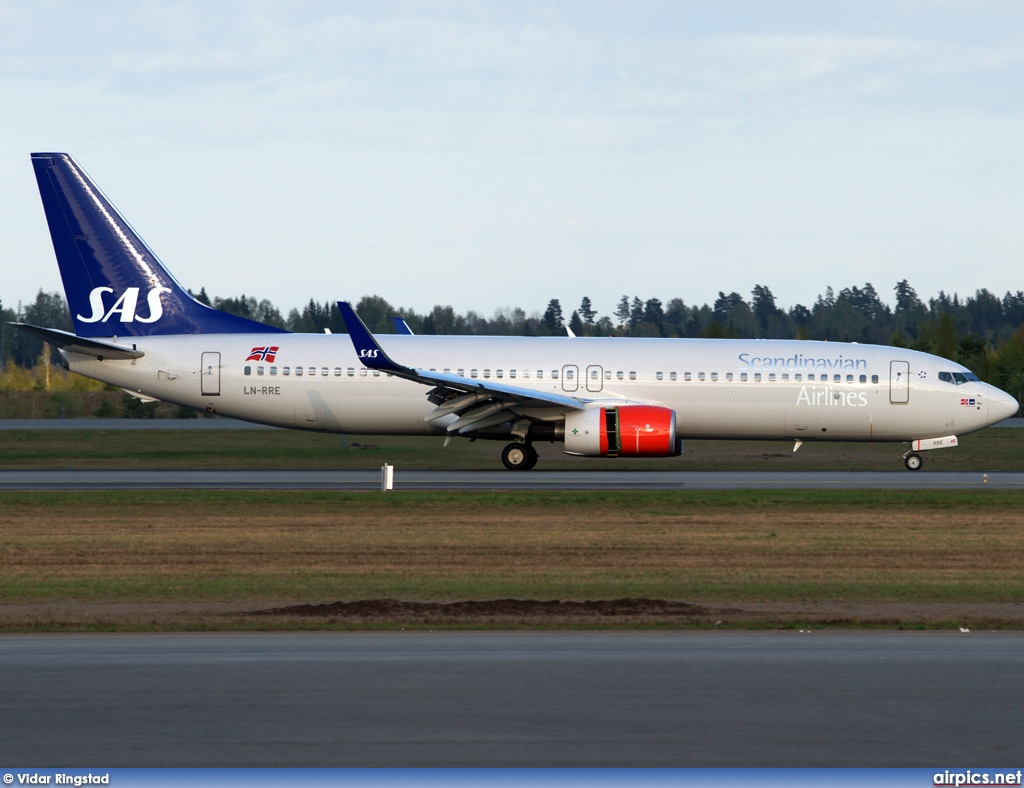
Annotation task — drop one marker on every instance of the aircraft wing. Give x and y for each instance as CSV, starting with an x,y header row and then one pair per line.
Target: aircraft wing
x,y
81,345
478,403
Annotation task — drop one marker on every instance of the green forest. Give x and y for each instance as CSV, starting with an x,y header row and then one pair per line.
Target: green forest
x,y
983,331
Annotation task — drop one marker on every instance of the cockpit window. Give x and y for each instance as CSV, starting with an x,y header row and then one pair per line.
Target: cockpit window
x,y
957,378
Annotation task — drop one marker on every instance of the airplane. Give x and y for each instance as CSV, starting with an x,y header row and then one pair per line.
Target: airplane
x,y
138,329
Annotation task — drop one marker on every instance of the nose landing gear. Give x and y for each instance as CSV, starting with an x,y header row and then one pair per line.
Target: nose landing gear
x,y
913,461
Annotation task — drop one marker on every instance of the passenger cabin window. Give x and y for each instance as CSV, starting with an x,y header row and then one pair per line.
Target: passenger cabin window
x,y
632,375
728,376
259,370
325,372
757,377
247,370
700,376
687,376
619,375
743,377
671,375
350,372
298,371
874,378
659,375
714,376
286,370
273,370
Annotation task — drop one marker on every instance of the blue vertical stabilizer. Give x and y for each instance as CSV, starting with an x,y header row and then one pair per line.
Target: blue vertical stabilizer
x,y
114,284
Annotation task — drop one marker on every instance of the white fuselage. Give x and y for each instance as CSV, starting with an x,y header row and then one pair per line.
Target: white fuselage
x,y
740,389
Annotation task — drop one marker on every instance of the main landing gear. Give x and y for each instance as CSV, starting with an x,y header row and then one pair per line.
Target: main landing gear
x,y
519,456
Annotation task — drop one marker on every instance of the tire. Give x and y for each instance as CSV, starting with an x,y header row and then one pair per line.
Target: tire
x,y
516,457
913,462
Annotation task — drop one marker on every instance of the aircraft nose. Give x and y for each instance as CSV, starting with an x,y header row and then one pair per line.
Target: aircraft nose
x,y
1001,406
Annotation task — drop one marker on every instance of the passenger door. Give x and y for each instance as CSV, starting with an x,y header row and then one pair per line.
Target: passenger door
x,y
899,382
209,375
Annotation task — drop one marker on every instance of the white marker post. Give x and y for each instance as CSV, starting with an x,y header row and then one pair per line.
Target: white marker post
x,y
387,477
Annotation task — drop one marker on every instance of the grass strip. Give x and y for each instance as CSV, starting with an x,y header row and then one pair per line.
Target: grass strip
x,y
143,546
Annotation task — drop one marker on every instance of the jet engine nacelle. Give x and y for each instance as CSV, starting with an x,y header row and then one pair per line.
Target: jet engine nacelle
x,y
625,431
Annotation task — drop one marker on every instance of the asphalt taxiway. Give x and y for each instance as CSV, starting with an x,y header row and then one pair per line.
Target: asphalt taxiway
x,y
410,480
513,699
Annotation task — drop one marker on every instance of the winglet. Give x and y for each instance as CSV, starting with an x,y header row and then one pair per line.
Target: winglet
x,y
367,349
401,327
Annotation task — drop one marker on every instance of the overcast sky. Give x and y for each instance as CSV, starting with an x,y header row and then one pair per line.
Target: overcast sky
x,y
499,154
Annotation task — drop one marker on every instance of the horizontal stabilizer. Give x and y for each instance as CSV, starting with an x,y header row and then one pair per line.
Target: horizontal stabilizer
x,y
81,345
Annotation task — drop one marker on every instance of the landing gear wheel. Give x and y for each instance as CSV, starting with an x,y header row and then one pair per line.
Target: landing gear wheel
x,y
532,457
913,462
516,457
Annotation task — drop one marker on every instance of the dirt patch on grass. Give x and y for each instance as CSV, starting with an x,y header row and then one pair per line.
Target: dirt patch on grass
x,y
654,612
509,613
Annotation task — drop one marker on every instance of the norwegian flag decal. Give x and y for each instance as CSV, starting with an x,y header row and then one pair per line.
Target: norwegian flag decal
x,y
267,354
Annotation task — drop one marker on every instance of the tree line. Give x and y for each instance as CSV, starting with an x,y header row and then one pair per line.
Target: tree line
x,y
984,332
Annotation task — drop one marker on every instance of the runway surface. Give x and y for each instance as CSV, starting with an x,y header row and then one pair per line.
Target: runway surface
x,y
410,480
513,699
